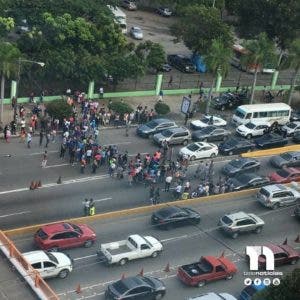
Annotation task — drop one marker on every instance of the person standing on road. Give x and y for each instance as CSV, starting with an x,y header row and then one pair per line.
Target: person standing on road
x,y
48,136
45,158
151,194
156,196
168,181
86,206
29,139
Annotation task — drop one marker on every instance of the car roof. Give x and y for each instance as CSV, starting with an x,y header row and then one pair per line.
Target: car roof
x,y
56,227
35,256
170,210
134,281
275,248
243,160
272,188
136,28
161,120
238,215
214,117
178,129
204,144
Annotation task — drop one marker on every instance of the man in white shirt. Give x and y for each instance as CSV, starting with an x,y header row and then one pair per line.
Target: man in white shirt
x,y
168,181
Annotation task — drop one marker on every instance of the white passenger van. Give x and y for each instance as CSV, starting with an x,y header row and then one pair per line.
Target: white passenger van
x,y
278,113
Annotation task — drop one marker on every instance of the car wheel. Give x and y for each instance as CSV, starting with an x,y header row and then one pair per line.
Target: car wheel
x,y
88,244
235,235
63,273
201,283
154,254
222,108
249,136
228,277
53,249
258,230
213,155
159,296
123,261
230,153
193,157
293,261
276,206
185,142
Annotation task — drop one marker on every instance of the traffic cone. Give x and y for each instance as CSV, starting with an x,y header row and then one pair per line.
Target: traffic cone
x,y
31,186
78,289
123,276
142,272
39,184
167,268
285,242
297,240
59,180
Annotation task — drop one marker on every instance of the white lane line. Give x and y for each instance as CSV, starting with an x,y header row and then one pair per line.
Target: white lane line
x,y
103,199
120,143
17,213
40,153
55,166
14,191
84,257
175,238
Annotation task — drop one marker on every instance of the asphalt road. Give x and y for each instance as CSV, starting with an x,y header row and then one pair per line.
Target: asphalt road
x,y
181,246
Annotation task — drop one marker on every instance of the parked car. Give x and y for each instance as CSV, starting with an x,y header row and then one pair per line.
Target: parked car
x,y
181,62
208,120
134,247
295,115
130,5
49,264
174,136
276,195
240,222
287,159
199,150
210,133
136,287
291,128
296,137
213,296
297,212
249,291
209,268
240,165
164,11
247,181
252,129
136,33
285,175
57,236
235,146
154,126
227,101
270,140
173,216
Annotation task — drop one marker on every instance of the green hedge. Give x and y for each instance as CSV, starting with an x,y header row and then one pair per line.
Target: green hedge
x,y
162,108
120,107
59,109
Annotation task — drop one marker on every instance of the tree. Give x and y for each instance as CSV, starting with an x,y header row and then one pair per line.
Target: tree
x,y
289,289
259,50
6,25
59,109
198,26
217,61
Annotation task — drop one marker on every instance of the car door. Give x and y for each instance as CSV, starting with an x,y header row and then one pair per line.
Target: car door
x,y
280,258
260,130
38,266
286,198
220,272
146,250
58,240
176,138
246,225
217,135
139,293
73,239
49,269
204,152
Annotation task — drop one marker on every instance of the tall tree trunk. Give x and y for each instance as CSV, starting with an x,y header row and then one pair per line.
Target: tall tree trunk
x,y
209,96
253,85
293,83
2,96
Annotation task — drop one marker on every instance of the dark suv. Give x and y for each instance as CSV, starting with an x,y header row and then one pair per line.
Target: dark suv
x,y
154,126
226,100
182,63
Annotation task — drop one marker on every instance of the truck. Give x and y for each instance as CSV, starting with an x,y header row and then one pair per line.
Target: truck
x,y
119,17
134,247
209,268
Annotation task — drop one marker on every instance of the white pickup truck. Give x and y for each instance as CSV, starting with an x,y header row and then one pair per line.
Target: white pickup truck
x,y
136,246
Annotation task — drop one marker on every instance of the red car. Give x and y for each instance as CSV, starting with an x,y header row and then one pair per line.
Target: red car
x,y
285,175
283,254
58,236
209,268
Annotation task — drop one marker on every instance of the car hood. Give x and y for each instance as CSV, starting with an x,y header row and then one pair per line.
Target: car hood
x,y
199,123
243,128
159,137
87,231
185,151
152,240
63,259
144,128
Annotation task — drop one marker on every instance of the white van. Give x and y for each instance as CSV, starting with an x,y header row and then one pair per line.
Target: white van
x,y
271,113
49,264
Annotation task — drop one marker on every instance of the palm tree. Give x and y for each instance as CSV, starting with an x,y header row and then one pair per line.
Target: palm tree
x,y
259,51
9,55
217,61
294,61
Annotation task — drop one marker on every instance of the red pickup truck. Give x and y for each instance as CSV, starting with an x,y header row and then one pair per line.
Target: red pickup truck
x,y
209,268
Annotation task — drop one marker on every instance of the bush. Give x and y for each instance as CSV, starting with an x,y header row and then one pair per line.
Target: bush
x,y
59,109
162,108
120,107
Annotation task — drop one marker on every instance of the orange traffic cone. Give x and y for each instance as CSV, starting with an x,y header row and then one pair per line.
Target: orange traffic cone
x,y
167,268
123,276
78,289
31,186
285,242
142,272
297,240
39,184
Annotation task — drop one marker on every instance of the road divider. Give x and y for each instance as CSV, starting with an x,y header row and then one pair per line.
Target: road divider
x,y
273,151
135,211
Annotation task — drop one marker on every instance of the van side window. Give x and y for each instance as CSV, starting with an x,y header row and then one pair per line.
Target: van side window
x,y
255,115
248,116
263,114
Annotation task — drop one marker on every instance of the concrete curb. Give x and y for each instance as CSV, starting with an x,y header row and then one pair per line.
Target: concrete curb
x,y
132,211
273,151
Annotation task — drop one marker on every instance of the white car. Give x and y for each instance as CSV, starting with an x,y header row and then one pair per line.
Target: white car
x,y
252,129
136,33
291,128
199,150
49,264
208,120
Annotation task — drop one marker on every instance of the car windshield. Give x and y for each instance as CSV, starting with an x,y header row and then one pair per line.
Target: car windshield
x,y
207,130
76,228
120,287
167,133
42,234
152,124
239,113
286,156
291,125
236,163
205,120
193,147
227,220
250,125
283,173
232,142
264,192
52,257
137,30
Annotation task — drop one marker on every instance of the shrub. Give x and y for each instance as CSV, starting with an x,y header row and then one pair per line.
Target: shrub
x,y
120,107
162,108
59,109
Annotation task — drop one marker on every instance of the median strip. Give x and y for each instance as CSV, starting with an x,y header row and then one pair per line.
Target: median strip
x,y
273,151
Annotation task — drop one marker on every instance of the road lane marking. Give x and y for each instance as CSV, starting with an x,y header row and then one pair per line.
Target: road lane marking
x,y
55,166
41,153
84,257
17,213
175,238
103,199
114,144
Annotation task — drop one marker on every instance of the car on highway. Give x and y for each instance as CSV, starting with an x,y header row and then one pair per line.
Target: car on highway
x,y
285,175
209,268
277,195
270,140
63,235
49,264
164,11
226,101
249,291
287,159
235,145
136,287
129,5
175,216
252,129
240,165
136,33
240,222
199,150
247,181
283,254
291,128
297,212
296,137
208,120
134,247
210,133
181,63
174,136
154,126
213,296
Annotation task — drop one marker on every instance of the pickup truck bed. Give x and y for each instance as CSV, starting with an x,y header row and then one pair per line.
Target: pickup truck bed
x,y
120,250
196,269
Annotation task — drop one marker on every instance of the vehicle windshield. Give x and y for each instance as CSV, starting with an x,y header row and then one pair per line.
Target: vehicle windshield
x,y
76,228
120,287
52,257
239,113
227,220
193,147
205,120
291,125
283,173
167,133
42,234
250,125
152,124
286,156
236,163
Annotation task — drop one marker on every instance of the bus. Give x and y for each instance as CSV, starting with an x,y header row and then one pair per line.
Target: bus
x,y
278,113
120,18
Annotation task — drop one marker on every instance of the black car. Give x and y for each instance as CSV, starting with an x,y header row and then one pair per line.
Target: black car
x,y
247,181
226,100
181,62
235,146
240,165
154,126
296,137
295,116
210,133
270,140
137,288
297,212
174,216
